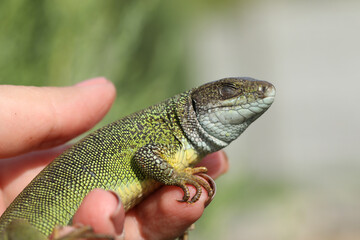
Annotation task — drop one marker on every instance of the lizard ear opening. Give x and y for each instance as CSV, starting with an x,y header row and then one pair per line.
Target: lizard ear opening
x,y
194,105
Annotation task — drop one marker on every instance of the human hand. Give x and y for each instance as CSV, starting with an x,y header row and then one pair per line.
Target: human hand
x,y
33,124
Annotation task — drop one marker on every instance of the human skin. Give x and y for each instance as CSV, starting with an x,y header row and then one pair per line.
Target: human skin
x,y
36,123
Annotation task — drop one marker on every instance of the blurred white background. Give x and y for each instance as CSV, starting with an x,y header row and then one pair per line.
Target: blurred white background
x,y
308,140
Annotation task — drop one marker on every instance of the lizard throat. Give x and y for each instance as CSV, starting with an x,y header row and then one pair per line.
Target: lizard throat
x,y
197,136
226,123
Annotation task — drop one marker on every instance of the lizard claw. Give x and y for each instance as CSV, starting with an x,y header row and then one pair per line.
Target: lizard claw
x,y
212,186
198,180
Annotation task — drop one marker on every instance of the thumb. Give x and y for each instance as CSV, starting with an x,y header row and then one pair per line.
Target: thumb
x,y
34,118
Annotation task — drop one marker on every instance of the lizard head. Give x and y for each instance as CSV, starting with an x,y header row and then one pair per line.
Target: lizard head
x,y
225,108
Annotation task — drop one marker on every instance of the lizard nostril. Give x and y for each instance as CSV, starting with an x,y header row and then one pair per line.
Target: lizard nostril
x,y
270,91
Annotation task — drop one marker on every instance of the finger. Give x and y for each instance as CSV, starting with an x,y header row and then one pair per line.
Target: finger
x,y
217,163
161,216
13,178
42,117
103,211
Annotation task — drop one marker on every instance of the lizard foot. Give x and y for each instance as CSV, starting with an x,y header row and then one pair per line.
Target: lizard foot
x,y
150,159
196,177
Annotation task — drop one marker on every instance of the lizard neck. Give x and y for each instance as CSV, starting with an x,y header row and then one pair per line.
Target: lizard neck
x,y
202,141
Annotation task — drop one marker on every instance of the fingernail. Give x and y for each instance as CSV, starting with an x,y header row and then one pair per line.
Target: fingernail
x,y
226,162
93,81
120,237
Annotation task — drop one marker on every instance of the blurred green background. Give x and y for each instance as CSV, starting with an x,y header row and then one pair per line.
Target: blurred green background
x,y
294,174
139,45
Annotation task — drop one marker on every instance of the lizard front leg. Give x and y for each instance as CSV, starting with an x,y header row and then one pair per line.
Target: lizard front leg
x,y
151,160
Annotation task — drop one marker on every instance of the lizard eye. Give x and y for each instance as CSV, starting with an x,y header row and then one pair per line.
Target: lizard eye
x,y
228,90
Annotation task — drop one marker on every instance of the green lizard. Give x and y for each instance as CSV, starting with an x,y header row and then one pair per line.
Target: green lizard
x,y
136,154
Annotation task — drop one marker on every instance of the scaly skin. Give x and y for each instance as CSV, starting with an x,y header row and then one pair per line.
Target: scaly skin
x,y
135,155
